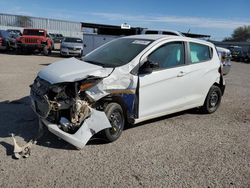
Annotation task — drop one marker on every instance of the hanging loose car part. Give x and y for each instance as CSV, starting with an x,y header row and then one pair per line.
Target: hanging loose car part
x,y
22,151
25,150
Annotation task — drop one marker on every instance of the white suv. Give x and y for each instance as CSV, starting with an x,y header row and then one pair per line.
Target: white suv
x,y
130,79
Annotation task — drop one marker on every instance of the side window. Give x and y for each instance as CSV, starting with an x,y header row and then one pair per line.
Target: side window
x,y
168,55
199,52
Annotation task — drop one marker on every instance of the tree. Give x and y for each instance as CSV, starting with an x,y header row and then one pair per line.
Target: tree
x,y
23,21
240,34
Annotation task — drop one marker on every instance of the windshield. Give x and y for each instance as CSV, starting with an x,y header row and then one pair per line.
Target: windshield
x,y
74,40
118,52
33,32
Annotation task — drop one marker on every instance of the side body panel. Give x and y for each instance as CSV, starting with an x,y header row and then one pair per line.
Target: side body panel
x,y
175,89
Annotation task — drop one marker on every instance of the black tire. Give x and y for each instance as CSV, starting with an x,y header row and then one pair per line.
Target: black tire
x,y
80,55
61,54
45,51
7,47
212,101
50,51
19,51
115,115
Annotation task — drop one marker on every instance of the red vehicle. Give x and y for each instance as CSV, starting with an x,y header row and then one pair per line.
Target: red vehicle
x,y
35,40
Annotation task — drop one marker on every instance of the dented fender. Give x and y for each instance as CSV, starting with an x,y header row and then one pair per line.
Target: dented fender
x,y
92,125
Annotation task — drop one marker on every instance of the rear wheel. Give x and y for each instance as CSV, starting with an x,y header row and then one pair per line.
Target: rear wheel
x,y
115,116
212,101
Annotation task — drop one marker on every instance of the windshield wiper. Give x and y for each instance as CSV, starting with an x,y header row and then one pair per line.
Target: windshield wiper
x,y
100,64
93,62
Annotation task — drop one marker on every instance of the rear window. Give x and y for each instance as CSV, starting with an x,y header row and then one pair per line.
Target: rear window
x,y
34,32
74,40
199,53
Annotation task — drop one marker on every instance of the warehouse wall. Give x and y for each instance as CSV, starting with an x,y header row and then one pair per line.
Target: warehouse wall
x,y
66,28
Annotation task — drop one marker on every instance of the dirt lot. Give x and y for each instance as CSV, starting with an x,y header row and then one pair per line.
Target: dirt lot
x,y
182,150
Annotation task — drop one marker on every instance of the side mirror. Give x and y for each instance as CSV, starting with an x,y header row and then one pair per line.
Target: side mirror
x,y
145,70
148,66
153,64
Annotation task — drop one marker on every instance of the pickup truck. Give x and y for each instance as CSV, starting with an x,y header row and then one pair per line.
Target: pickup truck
x,y
35,40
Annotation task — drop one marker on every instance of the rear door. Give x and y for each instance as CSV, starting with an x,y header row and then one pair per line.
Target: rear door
x,y
202,74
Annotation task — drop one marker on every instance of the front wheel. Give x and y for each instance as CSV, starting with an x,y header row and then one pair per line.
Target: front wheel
x,y
212,101
115,116
46,51
80,55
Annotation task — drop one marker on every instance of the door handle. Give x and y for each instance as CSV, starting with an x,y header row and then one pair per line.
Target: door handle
x,y
180,74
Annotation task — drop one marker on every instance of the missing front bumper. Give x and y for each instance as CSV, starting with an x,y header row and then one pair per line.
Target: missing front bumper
x,y
92,125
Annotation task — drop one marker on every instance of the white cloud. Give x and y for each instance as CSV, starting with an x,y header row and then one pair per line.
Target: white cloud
x,y
17,11
199,22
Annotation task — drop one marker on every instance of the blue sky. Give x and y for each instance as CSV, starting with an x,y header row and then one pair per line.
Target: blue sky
x,y
216,18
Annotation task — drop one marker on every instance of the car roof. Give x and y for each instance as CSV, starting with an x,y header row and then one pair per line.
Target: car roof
x,y
148,36
157,37
178,33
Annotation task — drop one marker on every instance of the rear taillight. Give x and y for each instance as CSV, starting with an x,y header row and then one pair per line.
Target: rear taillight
x,y
1,41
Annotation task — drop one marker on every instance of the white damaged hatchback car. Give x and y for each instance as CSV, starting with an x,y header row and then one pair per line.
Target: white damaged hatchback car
x,y
128,80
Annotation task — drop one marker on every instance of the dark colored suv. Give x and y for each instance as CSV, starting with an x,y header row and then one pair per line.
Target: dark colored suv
x,y
237,53
4,40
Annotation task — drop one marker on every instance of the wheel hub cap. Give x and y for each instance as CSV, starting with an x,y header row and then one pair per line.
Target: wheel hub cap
x,y
214,99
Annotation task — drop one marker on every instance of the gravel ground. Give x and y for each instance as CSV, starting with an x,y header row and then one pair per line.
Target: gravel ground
x,y
186,149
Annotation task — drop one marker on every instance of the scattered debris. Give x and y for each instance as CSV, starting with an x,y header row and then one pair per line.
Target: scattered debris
x,y
24,151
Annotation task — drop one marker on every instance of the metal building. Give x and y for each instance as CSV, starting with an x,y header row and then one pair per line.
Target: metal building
x,y
67,28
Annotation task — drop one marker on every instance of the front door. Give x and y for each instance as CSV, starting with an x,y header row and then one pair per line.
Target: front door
x,y
162,91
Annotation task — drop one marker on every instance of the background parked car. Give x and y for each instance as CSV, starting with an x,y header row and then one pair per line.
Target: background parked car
x,y
237,53
246,55
71,47
4,40
57,38
225,57
35,40
13,35
15,32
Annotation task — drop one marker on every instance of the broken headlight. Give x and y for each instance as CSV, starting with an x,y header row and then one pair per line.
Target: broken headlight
x,y
87,84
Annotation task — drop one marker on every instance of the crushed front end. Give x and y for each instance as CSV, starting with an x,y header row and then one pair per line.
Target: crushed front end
x,y
67,110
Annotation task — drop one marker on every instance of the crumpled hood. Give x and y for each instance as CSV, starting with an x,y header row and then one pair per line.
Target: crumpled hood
x,y
71,70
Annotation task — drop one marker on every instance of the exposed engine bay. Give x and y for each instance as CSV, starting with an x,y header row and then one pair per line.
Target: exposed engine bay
x,y
65,107
65,104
